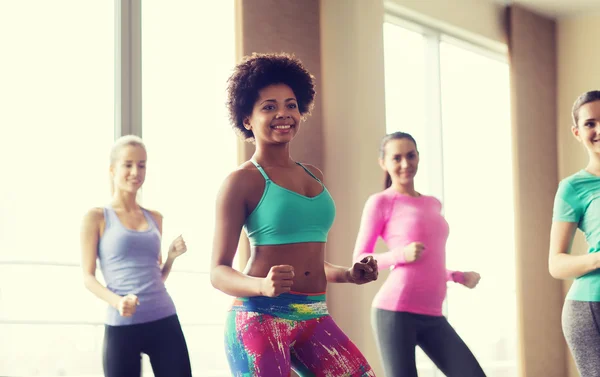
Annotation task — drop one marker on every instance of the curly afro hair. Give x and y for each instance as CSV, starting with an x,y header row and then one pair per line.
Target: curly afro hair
x,y
258,71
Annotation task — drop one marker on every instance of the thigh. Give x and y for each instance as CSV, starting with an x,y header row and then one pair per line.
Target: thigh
x,y
257,344
121,356
580,326
320,348
396,334
167,349
447,350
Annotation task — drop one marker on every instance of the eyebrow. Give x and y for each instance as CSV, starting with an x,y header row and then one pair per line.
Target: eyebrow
x,y
144,161
591,119
275,101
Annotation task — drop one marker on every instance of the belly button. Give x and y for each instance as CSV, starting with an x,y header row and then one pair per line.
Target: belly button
x,y
307,273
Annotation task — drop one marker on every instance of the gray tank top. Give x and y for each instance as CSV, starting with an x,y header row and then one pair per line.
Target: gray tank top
x,y
128,260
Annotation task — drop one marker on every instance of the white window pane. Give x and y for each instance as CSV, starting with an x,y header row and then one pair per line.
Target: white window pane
x,y
76,350
47,294
196,300
57,96
51,350
188,53
406,97
479,202
207,349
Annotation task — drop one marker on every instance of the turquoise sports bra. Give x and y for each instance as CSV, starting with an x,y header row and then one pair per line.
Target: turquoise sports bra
x,y
283,216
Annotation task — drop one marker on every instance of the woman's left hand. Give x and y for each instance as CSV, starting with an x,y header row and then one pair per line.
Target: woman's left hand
x,y
177,247
364,271
471,279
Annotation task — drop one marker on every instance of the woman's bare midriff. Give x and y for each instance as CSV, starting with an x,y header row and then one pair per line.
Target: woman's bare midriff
x,y
308,260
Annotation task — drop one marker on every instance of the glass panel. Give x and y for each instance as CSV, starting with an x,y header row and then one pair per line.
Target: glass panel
x,y
406,97
479,202
57,117
188,53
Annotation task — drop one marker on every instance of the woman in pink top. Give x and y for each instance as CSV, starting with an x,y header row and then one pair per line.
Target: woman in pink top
x,y
407,311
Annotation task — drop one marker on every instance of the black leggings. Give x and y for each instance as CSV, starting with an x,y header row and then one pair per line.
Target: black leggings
x,y
398,334
161,340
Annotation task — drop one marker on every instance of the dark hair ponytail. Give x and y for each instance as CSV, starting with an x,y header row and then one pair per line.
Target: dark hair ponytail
x,y
393,136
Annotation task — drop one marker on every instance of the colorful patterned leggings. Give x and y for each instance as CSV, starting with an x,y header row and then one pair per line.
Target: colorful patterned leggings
x,y
271,336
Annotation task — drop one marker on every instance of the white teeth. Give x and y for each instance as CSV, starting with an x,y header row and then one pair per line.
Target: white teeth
x,y
282,127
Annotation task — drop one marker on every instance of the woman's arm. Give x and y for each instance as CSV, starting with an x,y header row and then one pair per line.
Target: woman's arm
x,y
455,276
561,264
229,220
90,232
337,274
165,268
371,225
361,272
567,213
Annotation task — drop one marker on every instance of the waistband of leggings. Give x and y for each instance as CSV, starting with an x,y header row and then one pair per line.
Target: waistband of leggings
x,y
293,305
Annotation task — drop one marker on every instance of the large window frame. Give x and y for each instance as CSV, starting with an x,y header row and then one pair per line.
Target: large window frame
x,y
127,121
436,33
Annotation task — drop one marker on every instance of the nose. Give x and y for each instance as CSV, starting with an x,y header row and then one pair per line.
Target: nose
x,y
133,172
282,113
404,163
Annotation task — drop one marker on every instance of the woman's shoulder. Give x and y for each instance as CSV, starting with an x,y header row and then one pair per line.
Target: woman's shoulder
x,y
245,178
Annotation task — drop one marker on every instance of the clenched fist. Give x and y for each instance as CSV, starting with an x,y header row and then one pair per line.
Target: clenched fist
x,y
364,271
471,279
412,251
279,280
177,247
127,305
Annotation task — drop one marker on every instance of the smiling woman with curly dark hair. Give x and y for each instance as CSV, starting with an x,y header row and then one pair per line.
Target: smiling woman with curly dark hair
x,y
279,319
259,71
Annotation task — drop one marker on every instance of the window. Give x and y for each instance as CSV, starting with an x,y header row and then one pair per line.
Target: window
x,y
57,96
191,148
406,93
72,81
478,202
454,98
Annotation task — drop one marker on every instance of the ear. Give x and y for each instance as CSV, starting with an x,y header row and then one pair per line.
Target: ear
x,y
575,131
382,164
247,124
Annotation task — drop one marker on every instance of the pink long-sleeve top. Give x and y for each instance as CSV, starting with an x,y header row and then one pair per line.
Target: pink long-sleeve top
x,y
416,287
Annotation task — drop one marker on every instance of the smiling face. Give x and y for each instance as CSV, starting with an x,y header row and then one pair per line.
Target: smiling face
x,y
587,130
275,118
400,160
128,169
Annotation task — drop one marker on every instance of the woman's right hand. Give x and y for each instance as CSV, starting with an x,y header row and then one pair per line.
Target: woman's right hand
x,y
279,280
412,251
127,305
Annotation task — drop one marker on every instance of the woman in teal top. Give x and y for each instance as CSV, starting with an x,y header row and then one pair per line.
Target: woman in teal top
x,y
279,320
577,205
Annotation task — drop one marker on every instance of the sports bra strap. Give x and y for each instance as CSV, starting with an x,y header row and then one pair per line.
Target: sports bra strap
x,y
309,172
261,170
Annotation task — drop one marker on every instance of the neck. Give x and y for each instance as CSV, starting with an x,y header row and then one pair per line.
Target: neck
x,y
273,155
125,200
405,189
593,165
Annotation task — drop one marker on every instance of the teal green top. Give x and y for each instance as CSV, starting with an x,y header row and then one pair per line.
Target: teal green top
x,y
577,201
283,216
